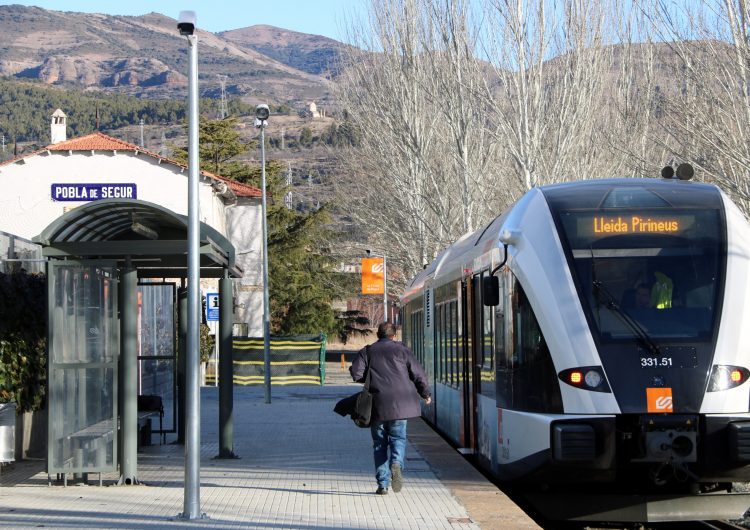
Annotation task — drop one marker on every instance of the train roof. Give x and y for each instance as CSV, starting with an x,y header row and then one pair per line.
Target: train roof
x,y
628,192
583,194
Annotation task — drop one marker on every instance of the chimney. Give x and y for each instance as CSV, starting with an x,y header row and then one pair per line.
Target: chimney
x,y
58,131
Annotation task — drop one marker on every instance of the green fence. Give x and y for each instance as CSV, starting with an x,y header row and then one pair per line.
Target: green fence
x,y
296,360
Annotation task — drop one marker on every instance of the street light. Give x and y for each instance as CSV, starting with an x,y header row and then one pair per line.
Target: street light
x,y
262,112
186,26
372,254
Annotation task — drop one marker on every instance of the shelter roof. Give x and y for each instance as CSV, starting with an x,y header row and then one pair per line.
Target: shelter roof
x,y
152,236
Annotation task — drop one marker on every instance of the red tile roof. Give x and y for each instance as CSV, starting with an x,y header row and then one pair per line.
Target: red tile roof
x,y
93,142
101,142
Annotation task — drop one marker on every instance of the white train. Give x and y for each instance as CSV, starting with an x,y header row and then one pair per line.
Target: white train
x,y
595,337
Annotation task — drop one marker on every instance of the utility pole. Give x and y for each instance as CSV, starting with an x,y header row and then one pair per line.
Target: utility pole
x,y
282,138
261,116
3,147
223,105
186,25
288,196
142,143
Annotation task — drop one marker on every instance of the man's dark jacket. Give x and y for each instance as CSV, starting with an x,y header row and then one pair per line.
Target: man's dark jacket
x,y
397,380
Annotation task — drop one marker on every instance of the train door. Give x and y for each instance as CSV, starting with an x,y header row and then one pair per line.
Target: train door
x,y
428,345
471,296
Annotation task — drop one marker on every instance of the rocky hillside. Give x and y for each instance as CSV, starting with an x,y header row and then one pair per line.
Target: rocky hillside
x,y
310,53
145,55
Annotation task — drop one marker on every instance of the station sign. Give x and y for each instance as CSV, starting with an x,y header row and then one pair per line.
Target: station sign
x,y
93,192
212,307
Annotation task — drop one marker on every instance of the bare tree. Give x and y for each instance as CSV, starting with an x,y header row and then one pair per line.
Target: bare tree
x,y
458,119
427,169
551,63
708,115
387,172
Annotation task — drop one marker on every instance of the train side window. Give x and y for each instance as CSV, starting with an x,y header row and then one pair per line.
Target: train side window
x,y
527,381
449,345
454,356
439,341
487,386
443,352
451,342
416,334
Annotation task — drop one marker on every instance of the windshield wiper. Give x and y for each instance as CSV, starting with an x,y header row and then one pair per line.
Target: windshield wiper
x,y
635,327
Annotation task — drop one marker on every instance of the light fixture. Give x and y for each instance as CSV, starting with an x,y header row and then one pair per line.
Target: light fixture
x,y
586,378
143,230
724,377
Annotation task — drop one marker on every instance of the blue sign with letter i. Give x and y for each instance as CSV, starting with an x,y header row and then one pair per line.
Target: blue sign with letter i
x,y
212,306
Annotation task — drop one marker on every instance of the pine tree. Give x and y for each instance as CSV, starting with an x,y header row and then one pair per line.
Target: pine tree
x,y
302,271
303,281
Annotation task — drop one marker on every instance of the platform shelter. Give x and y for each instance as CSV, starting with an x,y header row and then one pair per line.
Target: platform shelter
x,y
98,252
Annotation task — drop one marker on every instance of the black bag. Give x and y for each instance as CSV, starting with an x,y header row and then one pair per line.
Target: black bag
x,y
363,404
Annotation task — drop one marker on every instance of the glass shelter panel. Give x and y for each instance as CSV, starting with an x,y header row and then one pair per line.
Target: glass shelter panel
x,y
83,354
156,348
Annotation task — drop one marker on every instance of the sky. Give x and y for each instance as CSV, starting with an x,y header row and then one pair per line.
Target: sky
x,y
318,17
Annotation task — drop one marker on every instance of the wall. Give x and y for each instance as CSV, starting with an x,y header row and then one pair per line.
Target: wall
x,y
246,234
26,205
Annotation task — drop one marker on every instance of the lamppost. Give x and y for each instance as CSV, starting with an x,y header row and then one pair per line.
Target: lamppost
x,y
186,26
372,254
262,112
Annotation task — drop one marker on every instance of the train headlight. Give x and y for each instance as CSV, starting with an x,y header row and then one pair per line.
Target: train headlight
x,y
724,377
585,378
592,378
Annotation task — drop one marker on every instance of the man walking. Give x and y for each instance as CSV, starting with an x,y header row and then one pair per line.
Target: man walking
x,y
397,381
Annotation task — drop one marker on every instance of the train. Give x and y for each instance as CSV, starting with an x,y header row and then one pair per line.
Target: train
x,y
591,345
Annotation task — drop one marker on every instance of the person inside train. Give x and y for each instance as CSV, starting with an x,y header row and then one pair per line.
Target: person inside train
x,y
637,298
643,297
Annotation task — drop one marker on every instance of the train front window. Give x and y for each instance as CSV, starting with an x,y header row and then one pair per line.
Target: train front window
x,y
654,272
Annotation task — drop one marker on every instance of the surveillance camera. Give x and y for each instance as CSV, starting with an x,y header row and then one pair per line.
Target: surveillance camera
x,y
262,112
368,251
186,22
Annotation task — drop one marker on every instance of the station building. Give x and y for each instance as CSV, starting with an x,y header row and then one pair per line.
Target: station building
x,y
39,187
108,221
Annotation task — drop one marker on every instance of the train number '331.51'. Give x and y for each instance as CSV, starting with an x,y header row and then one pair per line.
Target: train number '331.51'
x,y
656,362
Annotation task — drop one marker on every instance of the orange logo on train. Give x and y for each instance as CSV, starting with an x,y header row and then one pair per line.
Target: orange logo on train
x,y
659,399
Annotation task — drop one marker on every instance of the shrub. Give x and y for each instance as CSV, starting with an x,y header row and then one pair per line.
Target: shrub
x,y
23,340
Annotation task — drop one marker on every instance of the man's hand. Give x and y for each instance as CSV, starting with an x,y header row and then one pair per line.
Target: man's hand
x,y
428,400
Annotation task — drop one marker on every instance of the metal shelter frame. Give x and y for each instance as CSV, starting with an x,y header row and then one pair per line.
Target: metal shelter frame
x,y
144,240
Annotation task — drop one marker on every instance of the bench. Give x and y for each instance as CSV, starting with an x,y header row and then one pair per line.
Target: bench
x,y
148,406
92,439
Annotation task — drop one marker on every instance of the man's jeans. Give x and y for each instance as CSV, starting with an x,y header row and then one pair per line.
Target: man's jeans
x,y
385,435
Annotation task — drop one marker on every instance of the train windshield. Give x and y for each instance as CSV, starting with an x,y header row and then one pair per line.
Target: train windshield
x,y
647,273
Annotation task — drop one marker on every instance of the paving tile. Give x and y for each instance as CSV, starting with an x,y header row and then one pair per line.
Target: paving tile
x,y
301,467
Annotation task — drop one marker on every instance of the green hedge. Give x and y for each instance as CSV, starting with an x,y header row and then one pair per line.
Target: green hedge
x,y
23,340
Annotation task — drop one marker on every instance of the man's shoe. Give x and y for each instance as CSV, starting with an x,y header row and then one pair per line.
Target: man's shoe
x,y
396,480
381,491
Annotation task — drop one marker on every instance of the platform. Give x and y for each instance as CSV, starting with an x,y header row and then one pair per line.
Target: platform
x,y
302,467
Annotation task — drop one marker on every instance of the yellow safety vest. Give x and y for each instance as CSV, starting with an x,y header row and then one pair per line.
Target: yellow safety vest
x,y
661,292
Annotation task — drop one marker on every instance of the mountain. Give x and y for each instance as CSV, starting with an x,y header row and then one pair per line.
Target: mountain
x,y
313,54
146,56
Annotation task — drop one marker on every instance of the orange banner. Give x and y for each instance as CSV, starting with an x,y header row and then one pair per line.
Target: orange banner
x,y
373,271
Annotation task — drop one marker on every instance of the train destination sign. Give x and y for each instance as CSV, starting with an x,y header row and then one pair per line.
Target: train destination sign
x,y
93,192
635,224
586,227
